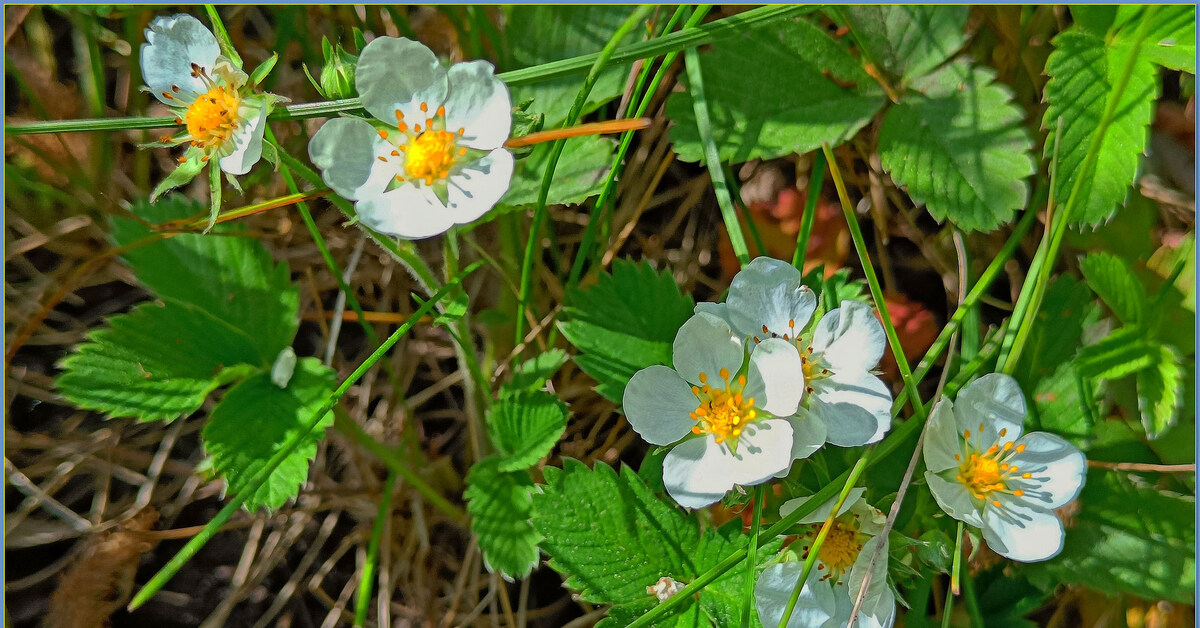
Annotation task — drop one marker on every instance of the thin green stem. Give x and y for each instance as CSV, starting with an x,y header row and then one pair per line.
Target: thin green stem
x,y
752,556
371,566
223,39
955,570
706,34
602,60
738,203
235,503
815,550
815,182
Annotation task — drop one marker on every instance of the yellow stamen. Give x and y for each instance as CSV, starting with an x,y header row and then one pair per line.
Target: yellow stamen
x,y
212,118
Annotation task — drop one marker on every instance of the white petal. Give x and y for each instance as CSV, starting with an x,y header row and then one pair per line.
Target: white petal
x,y
870,519
720,310
172,45
773,590
479,185
768,292
247,143
808,435
994,401
1016,531
850,337
764,449
705,344
855,405
879,604
954,499
347,150
407,211
942,441
478,103
775,379
1058,469
397,73
658,404
822,512
699,471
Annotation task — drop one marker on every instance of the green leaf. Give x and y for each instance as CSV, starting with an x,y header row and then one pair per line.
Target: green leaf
x,y
263,69
1172,39
578,176
1057,331
256,418
686,615
544,33
776,91
610,323
182,174
1159,389
1083,72
959,147
499,503
908,41
1121,353
1126,538
525,426
1058,407
156,363
1110,278
228,275
533,373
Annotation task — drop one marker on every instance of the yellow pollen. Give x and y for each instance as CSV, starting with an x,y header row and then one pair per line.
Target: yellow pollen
x,y
212,118
723,412
841,547
430,156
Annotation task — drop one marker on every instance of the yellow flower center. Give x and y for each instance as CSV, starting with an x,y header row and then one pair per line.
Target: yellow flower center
x,y
723,412
212,118
430,156
987,472
841,547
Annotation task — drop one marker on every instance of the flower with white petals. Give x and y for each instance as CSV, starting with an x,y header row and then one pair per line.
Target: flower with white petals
x,y
983,472
725,409
433,156
827,599
223,118
768,300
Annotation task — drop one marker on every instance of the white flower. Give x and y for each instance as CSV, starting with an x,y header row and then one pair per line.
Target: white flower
x,y
725,407
827,599
767,300
223,119
985,474
433,156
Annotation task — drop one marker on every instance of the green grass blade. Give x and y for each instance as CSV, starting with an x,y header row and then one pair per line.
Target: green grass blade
x,y
752,556
363,601
815,182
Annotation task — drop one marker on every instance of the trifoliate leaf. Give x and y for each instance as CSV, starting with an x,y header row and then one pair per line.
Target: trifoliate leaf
x,y
908,41
499,503
579,175
1125,351
533,373
626,321
1126,538
1110,278
228,275
1084,70
776,91
959,147
156,363
1159,389
525,426
256,418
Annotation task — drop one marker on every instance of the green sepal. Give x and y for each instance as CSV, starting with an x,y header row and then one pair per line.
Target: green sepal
x,y
263,70
191,166
214,188
271,154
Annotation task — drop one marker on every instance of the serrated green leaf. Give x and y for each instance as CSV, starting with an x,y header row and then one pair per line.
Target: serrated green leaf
x,y
533,373
1126,538
156,363
1110,278
578,176
1083,72
776,91
1172,39
1057,331
908,41
499,503
230,276
544,33
1121,353
686,615
1158,390
959,147
256,418
611,324
525,426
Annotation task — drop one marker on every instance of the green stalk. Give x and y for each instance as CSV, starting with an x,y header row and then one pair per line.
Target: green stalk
x,y
752,556
363,601
539,213
712,158
213,527
816,180
706,34
815,550
223,39
955,570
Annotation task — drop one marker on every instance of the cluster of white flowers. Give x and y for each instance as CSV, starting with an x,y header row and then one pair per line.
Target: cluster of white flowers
x,y
757,385
431,157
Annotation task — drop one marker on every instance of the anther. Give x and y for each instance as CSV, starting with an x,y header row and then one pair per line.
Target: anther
x,y
383,133
441,111
382,158
424,107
